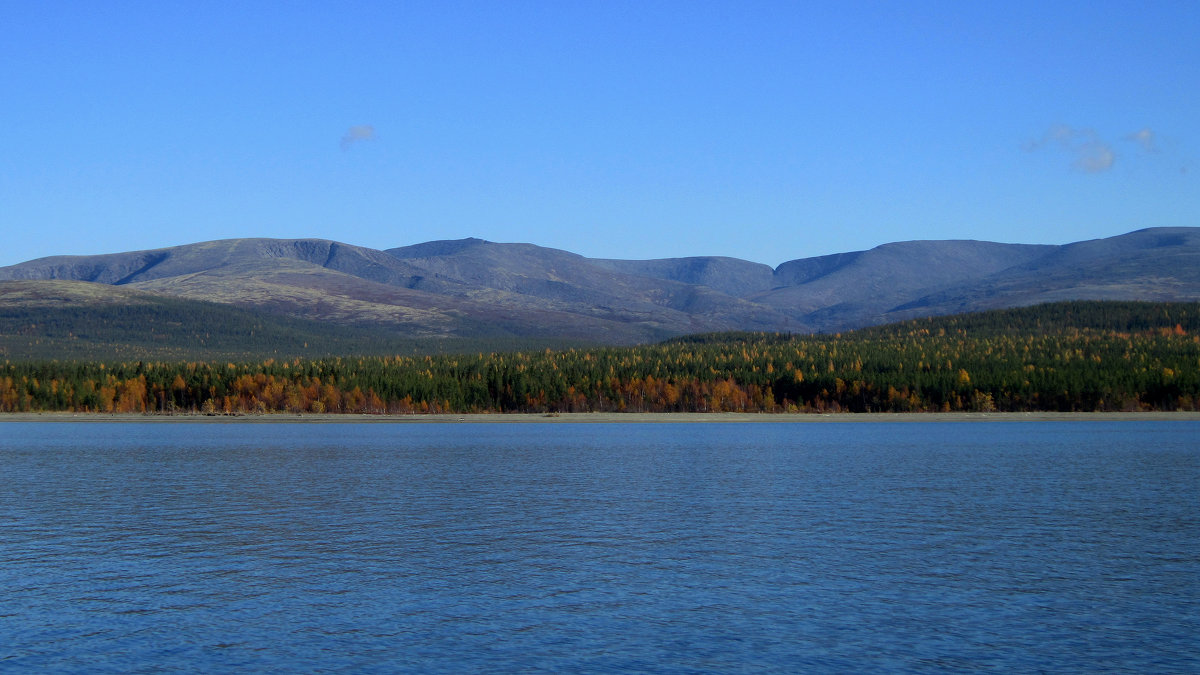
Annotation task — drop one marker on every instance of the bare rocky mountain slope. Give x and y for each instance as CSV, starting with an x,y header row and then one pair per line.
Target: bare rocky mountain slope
x,y
480,289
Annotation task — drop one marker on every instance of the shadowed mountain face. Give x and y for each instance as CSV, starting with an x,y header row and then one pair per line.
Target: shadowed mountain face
x,y
730,276
1156,265
858,289
480,289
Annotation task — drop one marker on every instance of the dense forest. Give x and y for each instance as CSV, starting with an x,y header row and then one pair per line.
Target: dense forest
x,y
1073,356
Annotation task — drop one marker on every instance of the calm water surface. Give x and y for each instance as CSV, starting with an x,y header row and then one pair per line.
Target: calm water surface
x,y
1012,547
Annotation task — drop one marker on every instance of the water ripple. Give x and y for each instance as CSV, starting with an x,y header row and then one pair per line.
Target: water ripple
x,y
667,548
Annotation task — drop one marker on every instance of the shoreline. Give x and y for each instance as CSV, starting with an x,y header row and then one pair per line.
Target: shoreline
x,y
601,418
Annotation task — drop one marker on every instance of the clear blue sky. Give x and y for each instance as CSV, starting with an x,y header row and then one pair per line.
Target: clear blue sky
x,y
762,130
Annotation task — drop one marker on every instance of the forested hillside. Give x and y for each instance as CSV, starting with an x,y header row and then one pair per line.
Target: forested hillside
x,y
1077,356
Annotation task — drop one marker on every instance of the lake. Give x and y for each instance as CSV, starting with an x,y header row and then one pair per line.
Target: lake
x,y
673,548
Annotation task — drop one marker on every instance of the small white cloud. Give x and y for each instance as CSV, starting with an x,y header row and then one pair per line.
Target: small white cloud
x,y
1065,135
1091,153
1059,134
356,133
1094,157
1145,138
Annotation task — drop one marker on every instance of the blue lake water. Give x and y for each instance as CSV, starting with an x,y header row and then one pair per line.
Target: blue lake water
x,y
880,547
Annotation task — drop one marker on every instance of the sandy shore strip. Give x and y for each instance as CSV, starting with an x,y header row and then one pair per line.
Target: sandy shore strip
x,y
600,418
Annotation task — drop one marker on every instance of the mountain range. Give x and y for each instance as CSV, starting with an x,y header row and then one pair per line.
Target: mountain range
x,y
471,288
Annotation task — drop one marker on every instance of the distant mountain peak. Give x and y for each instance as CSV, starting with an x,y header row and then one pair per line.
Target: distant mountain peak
x,y
440,247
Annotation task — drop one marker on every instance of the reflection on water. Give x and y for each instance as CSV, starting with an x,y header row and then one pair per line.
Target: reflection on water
x,y
673,548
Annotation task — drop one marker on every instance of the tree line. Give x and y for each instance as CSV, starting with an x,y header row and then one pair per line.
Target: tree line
x,y
1077,356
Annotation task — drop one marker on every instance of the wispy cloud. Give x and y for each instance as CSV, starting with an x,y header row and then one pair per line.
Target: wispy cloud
x,y
1145,138
1090,153
1094,156
356,133
1060,134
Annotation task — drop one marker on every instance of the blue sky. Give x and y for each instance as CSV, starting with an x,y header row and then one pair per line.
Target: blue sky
x,y
761,130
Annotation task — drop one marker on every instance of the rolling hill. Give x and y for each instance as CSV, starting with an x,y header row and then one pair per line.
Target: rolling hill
x,y
482,292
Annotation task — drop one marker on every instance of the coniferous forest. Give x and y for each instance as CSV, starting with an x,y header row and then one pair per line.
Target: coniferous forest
x,y
1072,356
